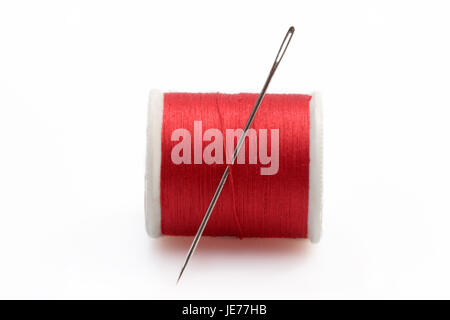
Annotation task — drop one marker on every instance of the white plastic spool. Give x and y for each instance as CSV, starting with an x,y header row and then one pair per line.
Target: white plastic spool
x,y
153,166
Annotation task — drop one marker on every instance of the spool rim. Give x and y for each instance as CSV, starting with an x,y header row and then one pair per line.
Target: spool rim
x,y
153,164
315,168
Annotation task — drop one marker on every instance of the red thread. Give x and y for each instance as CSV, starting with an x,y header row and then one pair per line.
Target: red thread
x,y
251,204
230,167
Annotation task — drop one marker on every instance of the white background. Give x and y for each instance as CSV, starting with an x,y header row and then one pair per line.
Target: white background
x,y
74,83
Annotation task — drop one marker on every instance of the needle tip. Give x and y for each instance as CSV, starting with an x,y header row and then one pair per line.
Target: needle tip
x,y
181,273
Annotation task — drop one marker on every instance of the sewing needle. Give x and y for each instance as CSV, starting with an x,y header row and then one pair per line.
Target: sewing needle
x,y
202,226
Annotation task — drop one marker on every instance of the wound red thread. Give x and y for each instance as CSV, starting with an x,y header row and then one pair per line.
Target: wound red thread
x,y
240,233
268,205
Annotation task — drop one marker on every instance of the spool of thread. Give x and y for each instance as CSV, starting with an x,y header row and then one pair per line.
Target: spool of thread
x,y
190,139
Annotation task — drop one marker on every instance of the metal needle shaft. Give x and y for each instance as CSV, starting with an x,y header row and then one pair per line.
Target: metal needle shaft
x,y
202,226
